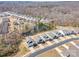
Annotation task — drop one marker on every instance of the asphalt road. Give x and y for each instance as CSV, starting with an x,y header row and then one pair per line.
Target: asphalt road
x,y
51,47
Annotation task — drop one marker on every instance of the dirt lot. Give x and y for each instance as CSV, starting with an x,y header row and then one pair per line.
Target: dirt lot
x,y
50,53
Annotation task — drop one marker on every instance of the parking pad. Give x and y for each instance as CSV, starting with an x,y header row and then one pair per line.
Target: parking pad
x,y
73,36
62,38
32,49
41,46
49,43
45,44
56,40
37,47
67,37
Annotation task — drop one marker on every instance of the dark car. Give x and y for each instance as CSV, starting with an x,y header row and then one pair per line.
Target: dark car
x,y
47,38
73,32
55,37
39,41
66,32
31,43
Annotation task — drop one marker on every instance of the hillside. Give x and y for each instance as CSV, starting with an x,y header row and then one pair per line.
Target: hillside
x,y
63,13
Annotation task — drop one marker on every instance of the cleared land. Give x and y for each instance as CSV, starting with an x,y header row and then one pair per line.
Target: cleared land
x,y
51,53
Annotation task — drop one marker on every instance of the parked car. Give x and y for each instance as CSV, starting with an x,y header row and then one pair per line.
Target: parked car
x,y
59,34
66,32
40,40
74,32
31,43
53,35
46,37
